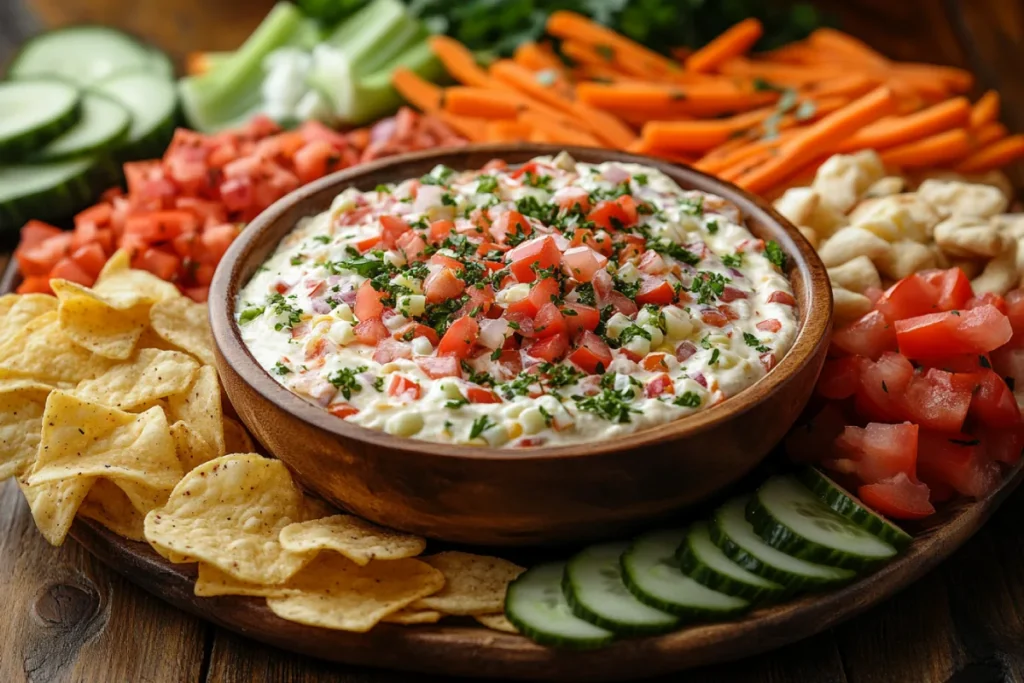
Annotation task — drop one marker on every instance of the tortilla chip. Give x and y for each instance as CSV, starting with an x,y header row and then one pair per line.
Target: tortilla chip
x,y
212,581
54,505
339,594
81,439
169,555
192,449
150,376
316,508
108,505
119,279
236,437
229,513
496,622
185,324
410,616
474,584
42,352
7,302
143,497
355,538
107,325
18,310
21,420
200,408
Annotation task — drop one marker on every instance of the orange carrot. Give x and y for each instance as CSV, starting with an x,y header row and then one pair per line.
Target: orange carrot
x,y
735,41
782,74
794,53
459,62
511,74
846,47
988,133
954,79
600,73
673,100
690,136
757,157
535,57
995,155
418,92
741,153
639,60
472,129
897,130
556,132
481,103
985,110
196,63
507,131
930,151
850,85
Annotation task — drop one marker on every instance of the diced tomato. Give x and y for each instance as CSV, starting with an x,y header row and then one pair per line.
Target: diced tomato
x,y
158,262
580,317
730,293
1015,312
447,262
367,243
368,302
481,395
159,226
1002,445
371,331
840,377
591,354
414,330
882,384
411,245
660,384
203,274
214,242
35,232
90,257
654,290
208,212
1009,363
614,214
780,297
582,263
975,330
549,321
550,349
440,230
509,223
952,288
653,362
536,254
880,451
509,364
342,410
992,402
935,401
390,349
912,296
314,160
460,338
956,460
39,259
898,498
652,263
481,300
967,362
66,269
568,198
867,336
391,228
635,247
989,298
769,325
622,303
714,317
403,388
544,292
531,167
442,285
436,367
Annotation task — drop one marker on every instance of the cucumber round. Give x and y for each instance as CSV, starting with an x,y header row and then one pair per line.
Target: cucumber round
x,y
32,113
81,54
50,192
732,533
153,103
536,606
790,518
847,505
594,589
705,563
103,126
651,572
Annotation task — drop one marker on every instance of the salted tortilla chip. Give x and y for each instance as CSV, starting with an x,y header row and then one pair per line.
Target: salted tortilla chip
x,y
21,420
167,554
54,505
142,496
212,581
229,513
474,584
40,351
108,505
409,616
200,407
82,439
185,324
107,325
118,278
236,437
151,375
496,622
192,449
355,538
18,310
339,594
7,302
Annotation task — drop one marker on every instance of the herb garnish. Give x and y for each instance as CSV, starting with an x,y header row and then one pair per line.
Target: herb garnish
x,y
773,252
344,380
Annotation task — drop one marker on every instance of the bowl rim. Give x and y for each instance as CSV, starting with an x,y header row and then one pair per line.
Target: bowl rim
x,y
812,332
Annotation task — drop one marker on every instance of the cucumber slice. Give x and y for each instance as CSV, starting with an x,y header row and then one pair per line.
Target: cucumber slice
x,y
103,126
50,191
651,572
34,112
847,505
730,531
153,104
81,54
536,606
792,519
593,586
704,562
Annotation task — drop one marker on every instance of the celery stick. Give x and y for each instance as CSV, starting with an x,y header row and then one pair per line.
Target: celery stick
x,y
374,96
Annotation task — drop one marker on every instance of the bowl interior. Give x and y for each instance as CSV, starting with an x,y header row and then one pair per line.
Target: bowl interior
x,y
805,271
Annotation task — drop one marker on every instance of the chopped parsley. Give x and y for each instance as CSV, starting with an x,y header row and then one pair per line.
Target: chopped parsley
x,y
250,314
674,250
382,187
487,184
631,332
322,239
773,252
280,306
708,286
297,260
447,200
281,369
482,378
753,341
529,206
630,289
585,294
983,362
715,353
439,176
611,405
362,265
705,343
692,206
712,226
480,425
690,399
556,376
733,260
542,182
457,403
378,384
641,179
344,380
548,417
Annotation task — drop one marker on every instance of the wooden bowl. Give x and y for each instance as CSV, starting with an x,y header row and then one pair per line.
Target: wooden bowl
x,y
485,496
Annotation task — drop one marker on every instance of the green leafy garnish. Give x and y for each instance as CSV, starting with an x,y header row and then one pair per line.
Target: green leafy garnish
x,y
773,252
708,286
754,342
690,399
480,425
344,380
281,369
250,314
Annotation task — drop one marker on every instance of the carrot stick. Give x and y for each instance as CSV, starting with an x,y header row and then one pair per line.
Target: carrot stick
x,y
639,60
660,101
600,74
507,131
556,132
930,151
782,74
850,85
735,41
716,159
988,133
472,129
459,62
690,136
794,53
757,157
985,110
954,79
418,92
1000,153
744,152
846,46
535,57
480,103
896,130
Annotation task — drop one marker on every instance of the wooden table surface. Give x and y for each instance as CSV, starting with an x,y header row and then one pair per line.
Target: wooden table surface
x,y
68,618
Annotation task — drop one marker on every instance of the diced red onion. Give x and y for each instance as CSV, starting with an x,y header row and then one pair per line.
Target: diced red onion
x,y
321,306
493,332
615,174
383,130
428,197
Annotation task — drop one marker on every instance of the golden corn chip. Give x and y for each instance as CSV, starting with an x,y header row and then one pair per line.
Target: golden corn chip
x,y
42,352
212,581
236,437
7,302
229,513
474,584
54,505
355,538
151,375
81,439
410,616
17,310
119,279
185,324
167,554
339,594
142,496
496,622
200,408
108,505
108,325
192,449
151,340
21,420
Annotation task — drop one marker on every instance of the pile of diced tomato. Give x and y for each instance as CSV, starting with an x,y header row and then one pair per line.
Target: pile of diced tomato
x,y
181,213
920,396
